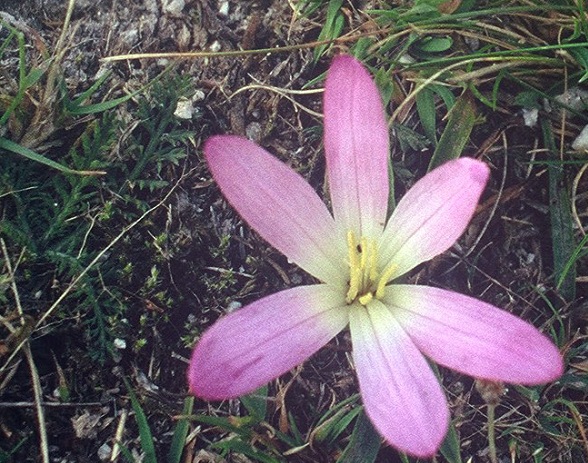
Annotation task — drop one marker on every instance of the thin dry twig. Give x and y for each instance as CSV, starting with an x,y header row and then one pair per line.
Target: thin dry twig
x,y
575,185
37,389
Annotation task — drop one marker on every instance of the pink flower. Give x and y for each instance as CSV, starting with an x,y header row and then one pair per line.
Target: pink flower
x,y
356,255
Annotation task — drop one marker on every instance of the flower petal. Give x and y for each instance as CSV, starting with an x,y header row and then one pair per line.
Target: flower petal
x,y
433,214
279,204
356,148
474,337
250,347
401,394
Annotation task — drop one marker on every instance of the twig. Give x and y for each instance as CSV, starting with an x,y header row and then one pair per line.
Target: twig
x,y
37,390
119,434
24,404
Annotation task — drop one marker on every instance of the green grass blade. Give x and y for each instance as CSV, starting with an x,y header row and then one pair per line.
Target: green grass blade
x,y
364,444
333,26
144,431
30,154
462,117
90,91
450,447
560,211
580,251
256,403
425,104
180,433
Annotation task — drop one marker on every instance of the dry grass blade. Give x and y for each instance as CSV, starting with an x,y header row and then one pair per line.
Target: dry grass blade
x,y
37,388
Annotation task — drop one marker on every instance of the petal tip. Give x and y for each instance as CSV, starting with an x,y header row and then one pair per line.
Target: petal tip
x,y
478,170
344,60
346,70
553,366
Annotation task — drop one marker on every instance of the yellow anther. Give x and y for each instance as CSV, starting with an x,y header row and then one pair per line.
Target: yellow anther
x,y
384,279
354,268
364,250
351,249
354,282
365,299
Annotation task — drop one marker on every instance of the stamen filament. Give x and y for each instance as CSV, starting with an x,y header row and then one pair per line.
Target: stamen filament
x,y
365,281
373,265
384,279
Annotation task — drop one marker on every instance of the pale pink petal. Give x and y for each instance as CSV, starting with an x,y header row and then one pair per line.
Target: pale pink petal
x,y
248,348
400,392
474,337
433,214
356,148
279,204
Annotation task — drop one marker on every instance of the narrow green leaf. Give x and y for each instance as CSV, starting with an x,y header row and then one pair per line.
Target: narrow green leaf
x,y
144,431
29,154
462,117
425,104
560,211
391,194
580,251
333,26
581,57
385,85
256,403
364,444
450,447
446,95
179,438
238,446
88,92
33,77
330,429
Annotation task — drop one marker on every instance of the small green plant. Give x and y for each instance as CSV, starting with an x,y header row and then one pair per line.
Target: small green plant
x,y
59,213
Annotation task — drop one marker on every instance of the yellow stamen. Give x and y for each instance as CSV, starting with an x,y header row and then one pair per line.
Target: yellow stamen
x,y
365,299
364,252
354,268
354,277
384,279
373,265
365,281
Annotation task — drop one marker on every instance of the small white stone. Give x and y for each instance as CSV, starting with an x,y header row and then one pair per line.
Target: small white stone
x,y
223,8
575,98
581,141
530,116
234,305
184,109
216,46
104,452
173,7
199,95
120,343
253,131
